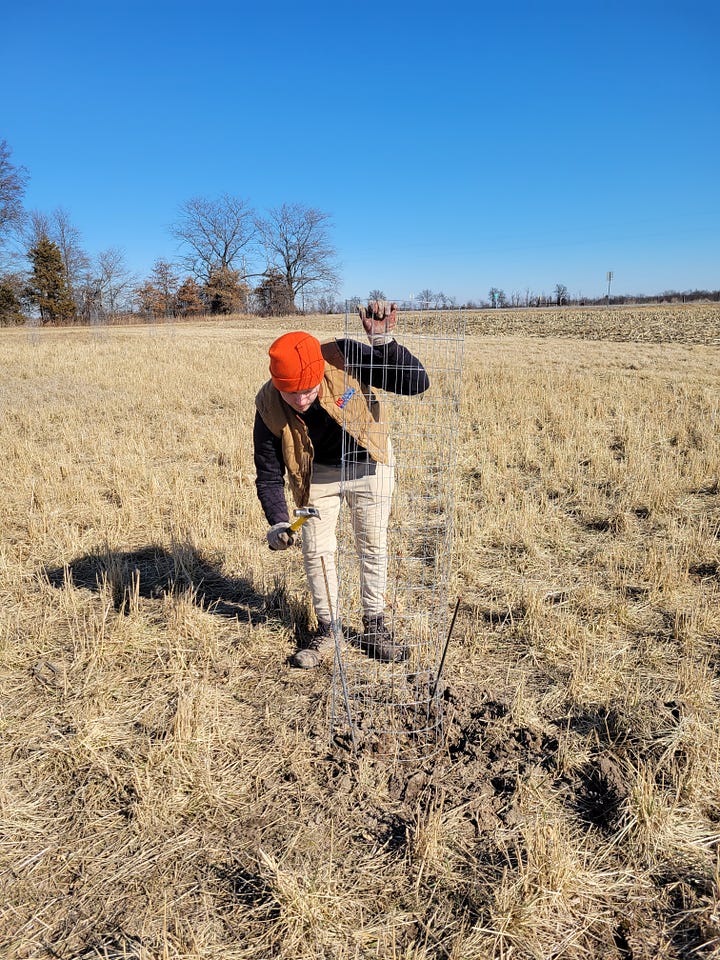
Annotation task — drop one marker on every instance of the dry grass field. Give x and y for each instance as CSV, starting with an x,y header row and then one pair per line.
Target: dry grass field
x,y
167,788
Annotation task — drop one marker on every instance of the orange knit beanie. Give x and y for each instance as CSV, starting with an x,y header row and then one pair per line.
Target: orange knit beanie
x,y
296,362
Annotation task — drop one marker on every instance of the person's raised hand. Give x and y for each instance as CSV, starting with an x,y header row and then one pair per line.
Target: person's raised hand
x,y
379,318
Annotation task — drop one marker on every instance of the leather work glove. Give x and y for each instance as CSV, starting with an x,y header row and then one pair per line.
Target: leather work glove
x,y
379,318
280,536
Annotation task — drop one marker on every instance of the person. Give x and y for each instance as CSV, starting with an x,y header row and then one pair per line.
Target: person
x,y
319,421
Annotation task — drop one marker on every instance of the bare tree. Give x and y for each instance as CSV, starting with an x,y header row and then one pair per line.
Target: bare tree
x,y
327,303
376,295
37,227
426,297
298,248
12,188
113,278
68,239
561,294
217,235
496,297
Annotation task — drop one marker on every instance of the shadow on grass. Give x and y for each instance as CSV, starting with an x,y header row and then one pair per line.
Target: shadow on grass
x,y
154,571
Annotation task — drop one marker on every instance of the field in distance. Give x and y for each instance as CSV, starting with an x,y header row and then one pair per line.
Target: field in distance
x,y
167,785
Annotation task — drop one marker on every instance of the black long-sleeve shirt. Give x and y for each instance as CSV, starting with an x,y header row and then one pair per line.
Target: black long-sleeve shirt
x,y
388,366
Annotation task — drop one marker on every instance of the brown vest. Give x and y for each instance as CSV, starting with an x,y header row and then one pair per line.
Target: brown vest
x,y
352,405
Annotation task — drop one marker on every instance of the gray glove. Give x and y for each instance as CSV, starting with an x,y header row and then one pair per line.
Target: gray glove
x,y
280,536
379,319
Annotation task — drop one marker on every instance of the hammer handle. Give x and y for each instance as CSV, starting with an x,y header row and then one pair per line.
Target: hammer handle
x,y
297,523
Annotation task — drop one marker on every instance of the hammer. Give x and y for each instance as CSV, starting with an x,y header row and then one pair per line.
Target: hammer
x,y
301,515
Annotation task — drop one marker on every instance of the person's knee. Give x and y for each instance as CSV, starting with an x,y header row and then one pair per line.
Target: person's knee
x,y
314,558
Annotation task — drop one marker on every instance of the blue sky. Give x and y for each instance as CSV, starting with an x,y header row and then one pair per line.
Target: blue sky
x,y
457,145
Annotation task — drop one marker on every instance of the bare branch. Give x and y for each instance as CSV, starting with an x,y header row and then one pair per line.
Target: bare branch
x,y
297,246
215,234
12,187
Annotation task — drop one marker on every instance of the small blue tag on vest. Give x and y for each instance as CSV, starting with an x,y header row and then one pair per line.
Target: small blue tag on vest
x,y
341,401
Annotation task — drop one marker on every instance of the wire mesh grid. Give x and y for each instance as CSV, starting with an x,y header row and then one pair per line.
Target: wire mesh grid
x,y
394,554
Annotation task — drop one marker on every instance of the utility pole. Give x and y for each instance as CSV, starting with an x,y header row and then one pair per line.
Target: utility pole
x,y
609,281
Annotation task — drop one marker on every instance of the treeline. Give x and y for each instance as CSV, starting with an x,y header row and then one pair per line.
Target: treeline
x,y
231,259
560,297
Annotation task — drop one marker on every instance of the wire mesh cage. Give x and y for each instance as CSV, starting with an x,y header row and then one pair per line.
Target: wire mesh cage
x,y
395,541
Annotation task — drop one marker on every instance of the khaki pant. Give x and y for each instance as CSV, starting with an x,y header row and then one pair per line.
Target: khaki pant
x,y
367,489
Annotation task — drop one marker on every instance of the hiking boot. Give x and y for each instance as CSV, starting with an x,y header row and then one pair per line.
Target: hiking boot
x,y
379,642
320,645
